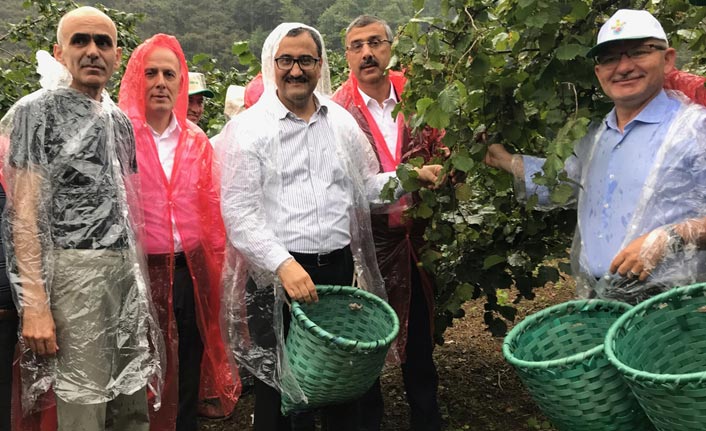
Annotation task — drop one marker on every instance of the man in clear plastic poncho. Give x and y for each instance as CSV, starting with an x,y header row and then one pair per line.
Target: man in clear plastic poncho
x,y
640,175
298,176
70,235
370,94
184,232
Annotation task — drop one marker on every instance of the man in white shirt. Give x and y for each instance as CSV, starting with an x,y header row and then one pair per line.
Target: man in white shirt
x,y
298,177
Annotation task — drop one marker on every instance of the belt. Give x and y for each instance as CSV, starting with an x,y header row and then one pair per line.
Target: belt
x,y
157,259
307,259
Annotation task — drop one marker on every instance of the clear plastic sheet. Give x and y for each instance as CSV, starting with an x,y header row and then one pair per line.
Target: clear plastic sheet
x,y
250,159
71,229
188,202
672,197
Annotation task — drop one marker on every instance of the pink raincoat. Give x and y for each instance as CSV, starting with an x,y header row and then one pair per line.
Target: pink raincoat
x,y
691,85
191,200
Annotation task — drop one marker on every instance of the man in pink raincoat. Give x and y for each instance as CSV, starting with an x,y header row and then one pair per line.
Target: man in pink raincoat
x,y
184,231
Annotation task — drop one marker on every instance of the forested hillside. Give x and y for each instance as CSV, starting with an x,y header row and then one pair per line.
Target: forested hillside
x,y
211,27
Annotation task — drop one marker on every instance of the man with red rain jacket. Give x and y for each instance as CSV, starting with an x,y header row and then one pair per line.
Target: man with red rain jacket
x,y
184,233
370,94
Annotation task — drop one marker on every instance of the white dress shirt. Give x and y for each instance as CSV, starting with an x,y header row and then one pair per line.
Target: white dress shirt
x,y
383,117
166,149
287,184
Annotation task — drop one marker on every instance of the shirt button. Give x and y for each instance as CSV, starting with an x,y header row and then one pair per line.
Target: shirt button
x,y
611,176
606,205
600,235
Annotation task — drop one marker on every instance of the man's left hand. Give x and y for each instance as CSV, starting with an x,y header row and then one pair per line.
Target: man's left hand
x,y
640,257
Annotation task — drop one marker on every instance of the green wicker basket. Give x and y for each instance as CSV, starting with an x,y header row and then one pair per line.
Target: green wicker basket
x,y
336,348
660,348
558,354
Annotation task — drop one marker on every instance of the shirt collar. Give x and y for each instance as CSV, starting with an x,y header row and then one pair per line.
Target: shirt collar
x,y
367,99
655,112
171,128
282,112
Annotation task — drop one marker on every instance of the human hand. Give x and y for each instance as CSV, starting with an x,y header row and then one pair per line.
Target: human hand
x,y
641,256
39,331
297,282
429,174
497,156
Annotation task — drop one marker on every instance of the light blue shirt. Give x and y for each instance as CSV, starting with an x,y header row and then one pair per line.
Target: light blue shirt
x,y
618,167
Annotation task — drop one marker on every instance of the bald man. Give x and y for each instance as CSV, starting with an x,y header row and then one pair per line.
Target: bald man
x,y
85,315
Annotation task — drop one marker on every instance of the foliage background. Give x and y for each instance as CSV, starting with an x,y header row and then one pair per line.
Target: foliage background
x,y
513,71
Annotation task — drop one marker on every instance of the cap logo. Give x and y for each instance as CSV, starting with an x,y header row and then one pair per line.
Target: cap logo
x,y
617,26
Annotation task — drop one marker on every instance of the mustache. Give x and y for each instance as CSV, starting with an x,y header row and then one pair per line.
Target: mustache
x,y
627,77
94,62
299,79
369,61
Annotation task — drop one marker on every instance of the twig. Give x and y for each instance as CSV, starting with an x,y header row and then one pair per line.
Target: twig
x,y
473,23
576,98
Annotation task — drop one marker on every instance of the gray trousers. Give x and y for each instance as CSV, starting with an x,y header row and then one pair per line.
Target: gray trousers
x,y
100,383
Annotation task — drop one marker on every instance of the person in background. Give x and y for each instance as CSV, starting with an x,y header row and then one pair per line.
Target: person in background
x,y
183,229
197,92
8,334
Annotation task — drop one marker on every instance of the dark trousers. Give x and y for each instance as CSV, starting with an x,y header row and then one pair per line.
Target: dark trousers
x,y
8,339
421,380
268,416
190,347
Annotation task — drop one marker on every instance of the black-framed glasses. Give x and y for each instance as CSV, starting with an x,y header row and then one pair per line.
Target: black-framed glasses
x,y
637,53
375,43
305,62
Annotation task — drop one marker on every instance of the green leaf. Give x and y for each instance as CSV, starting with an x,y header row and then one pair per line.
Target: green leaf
x,y
562,193
463,192
493,260
462,162
570,51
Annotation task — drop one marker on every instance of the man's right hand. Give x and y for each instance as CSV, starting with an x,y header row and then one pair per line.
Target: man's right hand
x,y
296,282
498,157
38,330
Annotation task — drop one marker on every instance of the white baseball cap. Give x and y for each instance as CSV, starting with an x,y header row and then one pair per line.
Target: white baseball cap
x,y
197,85
628,24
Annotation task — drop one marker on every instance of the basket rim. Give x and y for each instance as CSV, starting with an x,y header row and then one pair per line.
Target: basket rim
x,y
308,325
538,317
640,375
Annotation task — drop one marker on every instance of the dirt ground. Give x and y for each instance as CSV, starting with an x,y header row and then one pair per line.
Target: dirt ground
x,y
478,390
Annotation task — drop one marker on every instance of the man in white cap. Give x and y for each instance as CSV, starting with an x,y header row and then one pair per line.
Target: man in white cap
x,y
298,177
639,174
197,92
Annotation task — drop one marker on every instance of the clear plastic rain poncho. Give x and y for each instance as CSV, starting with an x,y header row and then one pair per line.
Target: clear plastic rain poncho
x,y
674,192
71,232
251,160
397,239
189,202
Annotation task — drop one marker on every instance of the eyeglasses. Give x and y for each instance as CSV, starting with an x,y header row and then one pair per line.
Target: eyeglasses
x,y
374,44
305,62
637,53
